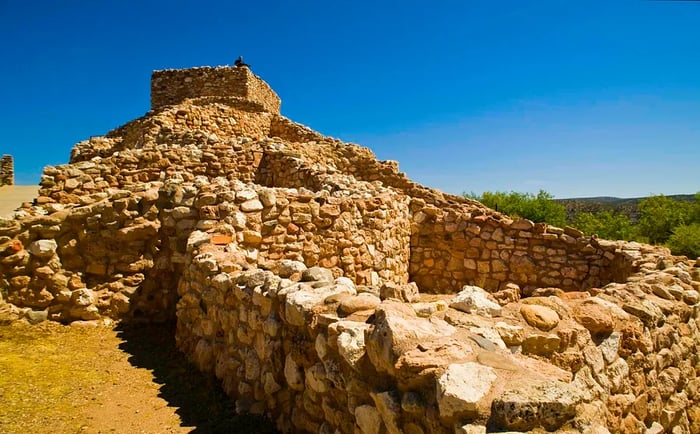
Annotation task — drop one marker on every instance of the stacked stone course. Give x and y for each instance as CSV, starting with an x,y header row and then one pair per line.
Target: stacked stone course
x,y
331,293
320,354
7,170
173,86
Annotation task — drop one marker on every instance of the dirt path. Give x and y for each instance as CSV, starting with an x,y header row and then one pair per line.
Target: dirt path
x,y
59,379
12,196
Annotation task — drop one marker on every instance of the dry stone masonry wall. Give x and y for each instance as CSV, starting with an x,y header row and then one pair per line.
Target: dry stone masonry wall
x,y
451,247
173,86
321,354
7,170
330,293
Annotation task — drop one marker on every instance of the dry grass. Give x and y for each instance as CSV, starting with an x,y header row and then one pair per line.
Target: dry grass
x,y
60,379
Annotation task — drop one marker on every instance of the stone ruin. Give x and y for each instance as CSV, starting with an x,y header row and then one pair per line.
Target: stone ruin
x,y
7,170
329,292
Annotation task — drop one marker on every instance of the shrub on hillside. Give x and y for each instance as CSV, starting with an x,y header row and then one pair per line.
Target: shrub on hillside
x,y
660,215
538,208
685,240
606,224
695,210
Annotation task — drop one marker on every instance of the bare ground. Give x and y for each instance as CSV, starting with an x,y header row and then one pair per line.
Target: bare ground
x,y
61,379
12,196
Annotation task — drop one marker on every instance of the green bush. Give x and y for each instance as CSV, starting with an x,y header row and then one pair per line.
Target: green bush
x,y
685,240
659,215
538,208
606,224
695,210
661,219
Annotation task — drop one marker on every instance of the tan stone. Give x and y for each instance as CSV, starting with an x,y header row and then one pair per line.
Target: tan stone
x,y
542,345
540,317
461,387
397,329
594,317
364,301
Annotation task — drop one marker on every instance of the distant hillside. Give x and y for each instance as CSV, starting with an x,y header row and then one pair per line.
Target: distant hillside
x,y
628,206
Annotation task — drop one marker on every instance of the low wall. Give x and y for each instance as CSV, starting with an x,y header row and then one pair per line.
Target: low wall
x,y
123,250
322,355
105,258
451,247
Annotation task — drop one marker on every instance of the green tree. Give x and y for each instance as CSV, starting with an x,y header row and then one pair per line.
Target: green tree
x,y
606,224
685,240
695,209
538,208
659,215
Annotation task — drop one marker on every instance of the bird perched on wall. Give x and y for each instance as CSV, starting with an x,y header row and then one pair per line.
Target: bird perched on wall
x,y
239,62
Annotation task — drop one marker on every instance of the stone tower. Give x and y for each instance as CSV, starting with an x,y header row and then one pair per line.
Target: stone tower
x,y
173,86
7,172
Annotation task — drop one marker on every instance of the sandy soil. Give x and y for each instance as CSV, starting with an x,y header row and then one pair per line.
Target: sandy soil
x,y
12,196
61,379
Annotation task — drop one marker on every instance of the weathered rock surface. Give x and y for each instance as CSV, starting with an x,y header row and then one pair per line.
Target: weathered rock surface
x,y
472,299
540,317
524,407
461,387
395,330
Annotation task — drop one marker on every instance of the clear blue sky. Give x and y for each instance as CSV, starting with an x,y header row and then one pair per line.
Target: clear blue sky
x,y
577,98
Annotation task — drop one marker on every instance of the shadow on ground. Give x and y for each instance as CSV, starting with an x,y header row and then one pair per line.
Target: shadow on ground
x,y
201,402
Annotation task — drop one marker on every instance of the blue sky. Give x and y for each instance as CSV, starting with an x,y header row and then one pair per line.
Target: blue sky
x,y
576,98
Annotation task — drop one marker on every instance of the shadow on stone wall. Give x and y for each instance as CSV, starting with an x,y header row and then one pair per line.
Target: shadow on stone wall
x,y
200,401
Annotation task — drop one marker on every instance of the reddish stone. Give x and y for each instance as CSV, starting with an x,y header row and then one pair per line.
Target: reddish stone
x,y
220,239
15,246
574,295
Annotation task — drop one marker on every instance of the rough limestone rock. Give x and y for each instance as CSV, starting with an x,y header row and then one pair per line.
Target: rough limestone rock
x,y
300,305
43,248
389,406
317,274
540,317
287,267
368,419
407,292
595,317
363,301
472,299
396,329
511,335
293,373
647,311
541,344
351,341
461,387
528,405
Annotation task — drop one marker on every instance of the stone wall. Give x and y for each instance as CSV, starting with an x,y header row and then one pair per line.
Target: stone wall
x,y
173,86
7,170
319,354
452,247
362,235
66,264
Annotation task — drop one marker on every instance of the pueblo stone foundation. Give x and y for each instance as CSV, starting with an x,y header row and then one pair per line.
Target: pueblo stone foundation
x,y
329,292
